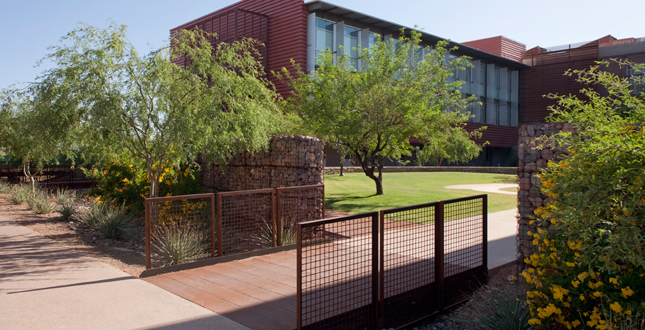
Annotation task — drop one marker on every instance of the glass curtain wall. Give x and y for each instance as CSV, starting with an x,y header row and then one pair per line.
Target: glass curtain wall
x,y
324,37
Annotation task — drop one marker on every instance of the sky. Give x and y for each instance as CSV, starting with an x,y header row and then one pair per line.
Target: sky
x,y
29,27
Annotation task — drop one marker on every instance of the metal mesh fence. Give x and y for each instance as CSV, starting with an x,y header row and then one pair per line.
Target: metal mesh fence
x,y
338,273
298,204
407,263
179,229
246,220
465,246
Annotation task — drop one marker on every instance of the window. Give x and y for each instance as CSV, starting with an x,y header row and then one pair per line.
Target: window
x,y
372,39
498,83
324,36
635,76
350,45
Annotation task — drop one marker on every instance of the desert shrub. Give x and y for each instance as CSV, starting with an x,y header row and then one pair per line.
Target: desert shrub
x,y
176,243
67,210
264,235
39,202
111,221
5,187
590,269
498,308
62,196
19,194
126,181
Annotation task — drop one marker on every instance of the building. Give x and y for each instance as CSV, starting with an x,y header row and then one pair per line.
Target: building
x,y
508,79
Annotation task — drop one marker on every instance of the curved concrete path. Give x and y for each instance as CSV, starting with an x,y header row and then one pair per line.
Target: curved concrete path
x,y
487,187
47,285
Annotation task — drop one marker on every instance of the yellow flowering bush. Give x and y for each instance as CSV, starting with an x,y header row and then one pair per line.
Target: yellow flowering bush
x,y
589,272
122,181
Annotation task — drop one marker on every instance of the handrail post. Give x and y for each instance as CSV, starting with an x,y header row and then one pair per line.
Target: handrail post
x,y
220,243
299,275
213,247
485,231
146,204
278,220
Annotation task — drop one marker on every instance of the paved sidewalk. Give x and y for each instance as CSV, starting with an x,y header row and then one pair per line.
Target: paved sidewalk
x,y
46,285
502,232
488,187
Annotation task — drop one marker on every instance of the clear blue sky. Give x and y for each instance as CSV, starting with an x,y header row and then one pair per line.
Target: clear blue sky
x,y
29,27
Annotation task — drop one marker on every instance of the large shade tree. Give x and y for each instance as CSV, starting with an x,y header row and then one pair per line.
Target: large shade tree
x,y
217,103
373,111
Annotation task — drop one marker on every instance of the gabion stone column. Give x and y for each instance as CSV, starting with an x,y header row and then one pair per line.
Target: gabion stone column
x,y
535,150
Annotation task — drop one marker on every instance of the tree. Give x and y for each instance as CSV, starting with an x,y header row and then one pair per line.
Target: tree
x,y
27,136
217,103
375,110
591,265
452,144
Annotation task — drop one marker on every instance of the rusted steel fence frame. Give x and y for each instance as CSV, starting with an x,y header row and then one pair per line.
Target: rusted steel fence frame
x,y
465,279
220,213
373,217
148,224
279,205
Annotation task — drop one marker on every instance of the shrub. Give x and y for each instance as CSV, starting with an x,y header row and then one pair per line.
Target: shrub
x,y
264,236
111,221
19,194
67,210
5,187
499,309
39,202
590,269
62,196
176,243
124,181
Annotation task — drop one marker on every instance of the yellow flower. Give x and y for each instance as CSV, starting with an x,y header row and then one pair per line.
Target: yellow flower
x,y
616,307
535,321
627,292
571,264
559,292
628,312
575,283
575,323
597,294
582,298
613,280
582,276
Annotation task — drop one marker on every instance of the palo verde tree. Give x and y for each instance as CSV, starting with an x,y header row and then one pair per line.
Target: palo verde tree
x,y
452,144
216,104
26,135
375,110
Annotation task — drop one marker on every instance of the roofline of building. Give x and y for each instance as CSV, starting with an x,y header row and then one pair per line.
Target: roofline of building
x,y
231,6
465,50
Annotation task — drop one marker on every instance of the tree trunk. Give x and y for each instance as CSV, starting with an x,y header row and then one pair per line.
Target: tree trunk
x,y
342,162
379,184
154,184
25,169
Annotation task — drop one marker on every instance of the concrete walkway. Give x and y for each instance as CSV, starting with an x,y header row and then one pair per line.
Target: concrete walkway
x,y
502,232
46,285
488,187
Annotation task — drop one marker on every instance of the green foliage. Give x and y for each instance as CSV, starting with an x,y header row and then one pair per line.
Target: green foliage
x,y
176,243
591,264
62,196
375,110
452,144
121,102
111,221
39,202
67,210
124,180
5,187
19,194
499,309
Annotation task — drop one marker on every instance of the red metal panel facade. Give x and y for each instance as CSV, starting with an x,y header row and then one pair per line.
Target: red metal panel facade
x,y
500,46
287,32
496,135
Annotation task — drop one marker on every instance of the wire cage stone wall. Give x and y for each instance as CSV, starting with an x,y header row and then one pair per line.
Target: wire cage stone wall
x,y
293,160
535,150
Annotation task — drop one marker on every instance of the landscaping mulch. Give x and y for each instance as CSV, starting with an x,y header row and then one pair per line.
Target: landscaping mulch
x,y
126,255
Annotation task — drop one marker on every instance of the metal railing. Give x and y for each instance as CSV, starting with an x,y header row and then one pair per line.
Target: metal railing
x,y
184,229
389,269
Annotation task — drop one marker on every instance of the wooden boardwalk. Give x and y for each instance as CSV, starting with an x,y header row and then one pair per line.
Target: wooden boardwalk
x,y
258,292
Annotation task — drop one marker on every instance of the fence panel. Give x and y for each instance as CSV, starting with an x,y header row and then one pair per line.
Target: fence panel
x,y
298,204
179,229
338,273
465,246
246,221
407,270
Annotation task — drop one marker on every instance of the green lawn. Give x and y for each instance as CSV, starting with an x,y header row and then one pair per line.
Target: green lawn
x,y
355,192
